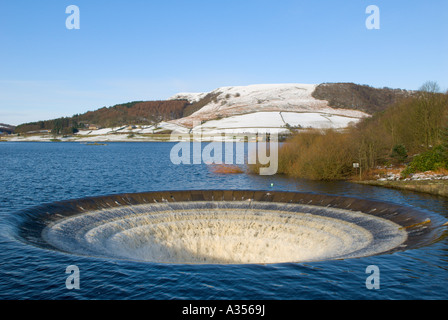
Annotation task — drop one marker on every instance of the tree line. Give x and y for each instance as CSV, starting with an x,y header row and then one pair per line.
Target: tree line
x,y
135,113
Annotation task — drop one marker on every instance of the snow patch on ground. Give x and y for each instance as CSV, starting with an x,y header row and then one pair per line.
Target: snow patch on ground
x,y
391,174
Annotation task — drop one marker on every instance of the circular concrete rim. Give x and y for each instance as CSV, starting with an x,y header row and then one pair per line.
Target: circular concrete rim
x,y
33,221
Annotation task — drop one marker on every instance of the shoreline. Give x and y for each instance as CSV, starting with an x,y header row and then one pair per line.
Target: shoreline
x,y
88,139
433,187
129,138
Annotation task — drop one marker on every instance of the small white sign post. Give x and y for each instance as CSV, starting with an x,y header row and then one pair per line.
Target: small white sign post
x,y
357,166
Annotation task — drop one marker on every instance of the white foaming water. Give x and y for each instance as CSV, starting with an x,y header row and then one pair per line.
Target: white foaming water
x,y
240,233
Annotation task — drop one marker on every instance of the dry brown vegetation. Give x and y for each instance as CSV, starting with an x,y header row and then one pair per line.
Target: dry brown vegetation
x,y
6,128
317,155
225,169
195,106
135,113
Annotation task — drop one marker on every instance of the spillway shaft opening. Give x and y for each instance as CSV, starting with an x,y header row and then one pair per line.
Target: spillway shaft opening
x,y
229,231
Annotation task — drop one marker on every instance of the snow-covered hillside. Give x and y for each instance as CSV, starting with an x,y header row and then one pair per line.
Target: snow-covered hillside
x,y
290,98
275,106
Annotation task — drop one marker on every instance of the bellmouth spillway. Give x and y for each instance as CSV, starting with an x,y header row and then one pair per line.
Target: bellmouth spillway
x,y
225,227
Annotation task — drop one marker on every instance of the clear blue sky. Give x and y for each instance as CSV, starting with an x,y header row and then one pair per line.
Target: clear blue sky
x,y
150,50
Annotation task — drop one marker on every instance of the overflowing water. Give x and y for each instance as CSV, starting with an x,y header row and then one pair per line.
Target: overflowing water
x,y
228,233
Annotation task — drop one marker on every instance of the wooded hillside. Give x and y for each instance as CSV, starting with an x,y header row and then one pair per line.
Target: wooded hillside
x,y
135,113
359,97
413,132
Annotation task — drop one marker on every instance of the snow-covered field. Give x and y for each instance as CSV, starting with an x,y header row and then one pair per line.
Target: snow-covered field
x,y
278,122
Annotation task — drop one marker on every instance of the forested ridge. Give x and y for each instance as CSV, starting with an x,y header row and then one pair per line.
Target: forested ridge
x,y
131,113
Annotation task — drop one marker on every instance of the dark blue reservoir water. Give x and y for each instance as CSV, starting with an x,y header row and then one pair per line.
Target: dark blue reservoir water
x,y
36,173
